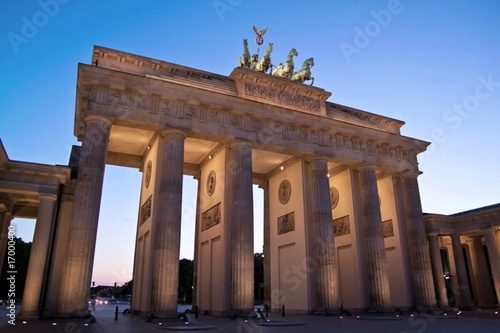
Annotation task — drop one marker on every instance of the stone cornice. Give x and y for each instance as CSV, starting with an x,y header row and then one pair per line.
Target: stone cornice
x,y
37,173
4,158
192,77
155,103
475,220
280,92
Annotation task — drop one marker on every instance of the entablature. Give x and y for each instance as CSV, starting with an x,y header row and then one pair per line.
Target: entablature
x,y
155,103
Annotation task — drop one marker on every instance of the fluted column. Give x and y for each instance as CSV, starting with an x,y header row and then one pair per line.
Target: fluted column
x,y
437,270
327,284
463,283
242,229
5,218
78,264
267,246
418,248
378,278
494,256
38,257
480,274
167,209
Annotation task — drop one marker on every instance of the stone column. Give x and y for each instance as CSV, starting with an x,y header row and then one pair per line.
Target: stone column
x,y
480,274
463,283
267,246
437,270
242,229
167,209
418,248
494,256
378,278
5,218
38,257
323,245
78,264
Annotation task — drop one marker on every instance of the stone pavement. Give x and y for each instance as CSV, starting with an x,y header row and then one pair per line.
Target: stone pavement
x,y
477,321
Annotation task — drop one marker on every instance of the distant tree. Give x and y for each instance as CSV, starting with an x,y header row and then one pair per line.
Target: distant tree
x,y
258,277
22,257
185,289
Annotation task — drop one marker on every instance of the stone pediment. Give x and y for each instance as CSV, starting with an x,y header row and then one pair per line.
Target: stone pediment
x,y
280,92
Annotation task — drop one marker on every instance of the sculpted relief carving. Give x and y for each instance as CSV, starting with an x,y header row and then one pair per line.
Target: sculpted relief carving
x,y
247,122
341,226
286,223
211,217
282,97
145,210
388,228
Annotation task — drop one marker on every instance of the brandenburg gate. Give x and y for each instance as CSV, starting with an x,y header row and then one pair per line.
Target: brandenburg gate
x,y
343,223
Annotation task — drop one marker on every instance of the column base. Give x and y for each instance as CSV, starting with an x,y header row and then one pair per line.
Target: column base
x,y
28,315
164,315
242,313
79,314
328,312
430,309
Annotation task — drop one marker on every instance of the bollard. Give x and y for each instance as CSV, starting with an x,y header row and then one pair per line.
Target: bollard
x,y
116,313
283,310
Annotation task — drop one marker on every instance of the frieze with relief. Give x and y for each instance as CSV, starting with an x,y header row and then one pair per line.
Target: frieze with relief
x,y
286,223
146,210
228,118
282,97
388,228
341,226
211,217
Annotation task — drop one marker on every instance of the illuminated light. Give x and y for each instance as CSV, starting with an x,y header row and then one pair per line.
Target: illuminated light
x,y
159,323
267,320
54,324
24,322
397,316
148,147
246,321
341,317
496,312
186,323
411,315
328,175
85,324
209,157
445,314
282,167
357,317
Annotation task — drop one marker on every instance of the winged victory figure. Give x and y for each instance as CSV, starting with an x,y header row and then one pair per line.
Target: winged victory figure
x,y
260,33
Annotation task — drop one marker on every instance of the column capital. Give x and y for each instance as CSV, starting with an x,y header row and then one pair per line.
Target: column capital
x,y
432,234
166,132
364,167
197,175
44,196
91,117
316,158
263,184
237,144
409,174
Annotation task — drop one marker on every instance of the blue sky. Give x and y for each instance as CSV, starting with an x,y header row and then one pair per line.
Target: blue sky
x,y
433,64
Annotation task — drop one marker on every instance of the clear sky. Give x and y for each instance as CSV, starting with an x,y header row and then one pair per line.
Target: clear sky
x,y
433,64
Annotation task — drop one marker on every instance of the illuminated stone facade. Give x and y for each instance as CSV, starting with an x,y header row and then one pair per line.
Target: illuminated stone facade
x,y
343,223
